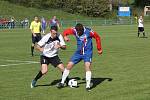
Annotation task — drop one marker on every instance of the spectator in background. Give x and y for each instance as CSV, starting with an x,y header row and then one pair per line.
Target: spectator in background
x,y
43,26
22,23
12,22
3,23
54,22
136,18
26,23
35,28
141,26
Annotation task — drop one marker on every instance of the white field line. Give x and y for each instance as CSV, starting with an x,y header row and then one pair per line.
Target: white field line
x,y
18,62
21,61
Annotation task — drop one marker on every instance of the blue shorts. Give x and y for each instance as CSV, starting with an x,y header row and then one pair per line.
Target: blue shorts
x,y
76,58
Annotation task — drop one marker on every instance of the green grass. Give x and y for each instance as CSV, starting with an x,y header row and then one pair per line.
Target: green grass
x,y
125,60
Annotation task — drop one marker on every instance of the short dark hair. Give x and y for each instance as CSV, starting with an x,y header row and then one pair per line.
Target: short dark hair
x,y
54,28
79,28
36,16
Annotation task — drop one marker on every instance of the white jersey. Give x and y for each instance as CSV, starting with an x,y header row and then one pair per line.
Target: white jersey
x,y
140,21
49,44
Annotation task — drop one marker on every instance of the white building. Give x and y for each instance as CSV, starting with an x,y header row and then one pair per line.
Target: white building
x,y
147,11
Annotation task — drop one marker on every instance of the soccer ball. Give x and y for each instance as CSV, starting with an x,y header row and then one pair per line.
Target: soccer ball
x,y
73,83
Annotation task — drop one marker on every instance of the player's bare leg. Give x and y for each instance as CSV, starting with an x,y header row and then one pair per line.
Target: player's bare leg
x,y
65,74
138,34
44,70
61,68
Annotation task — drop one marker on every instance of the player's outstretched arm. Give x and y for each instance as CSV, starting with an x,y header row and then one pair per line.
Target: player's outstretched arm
x,y
57,46
66,33
62,42
63,47
98,41
40,45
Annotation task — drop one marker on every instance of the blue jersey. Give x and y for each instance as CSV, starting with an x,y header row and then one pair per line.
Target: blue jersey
x,y
84,42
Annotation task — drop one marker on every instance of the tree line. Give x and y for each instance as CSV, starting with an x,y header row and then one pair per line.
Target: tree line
x,y
84,7
92,8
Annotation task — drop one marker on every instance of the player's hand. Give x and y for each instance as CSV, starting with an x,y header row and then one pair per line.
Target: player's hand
x,y
34,34
66,38
41,49
100,52
57,45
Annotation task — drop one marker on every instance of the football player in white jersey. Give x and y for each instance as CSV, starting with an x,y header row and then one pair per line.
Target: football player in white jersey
x,y
49,46
140,26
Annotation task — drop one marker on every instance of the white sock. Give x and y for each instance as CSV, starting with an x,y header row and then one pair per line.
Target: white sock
x,y
88,79
64,76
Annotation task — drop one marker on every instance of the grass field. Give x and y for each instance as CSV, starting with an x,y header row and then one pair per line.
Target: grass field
x,y
122,72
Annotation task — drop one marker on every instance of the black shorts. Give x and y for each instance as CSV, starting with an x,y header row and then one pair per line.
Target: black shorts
x,y
140,29
37,38
55,61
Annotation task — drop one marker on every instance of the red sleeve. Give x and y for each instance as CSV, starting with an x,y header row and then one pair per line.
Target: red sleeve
x,y
69,31
98,40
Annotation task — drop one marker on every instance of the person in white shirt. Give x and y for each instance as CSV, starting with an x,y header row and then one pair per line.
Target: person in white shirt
x,y
49,46
140,26
26,23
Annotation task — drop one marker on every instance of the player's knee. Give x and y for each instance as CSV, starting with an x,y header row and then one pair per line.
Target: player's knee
x,y
87,66
69,66
87,69
33,44
44,71
61,67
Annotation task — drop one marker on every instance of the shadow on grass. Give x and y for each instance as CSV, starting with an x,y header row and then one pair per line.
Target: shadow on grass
x,y
95,81
57,81
43,85
143,37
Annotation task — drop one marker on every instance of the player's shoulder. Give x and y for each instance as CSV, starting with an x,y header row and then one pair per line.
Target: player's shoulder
x,y
72,28
88,28
47,36
58,34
